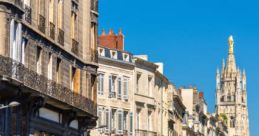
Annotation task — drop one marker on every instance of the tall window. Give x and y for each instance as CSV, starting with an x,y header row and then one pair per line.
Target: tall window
x,y
100,84
58,65
51,11
74,20
125,117
113,119
99,114
39,60
112,86
125,88
75,80
107,120
131,124
60,14
120,121
50,66
15,40
149,120
119,88
149,86
138,119
137,82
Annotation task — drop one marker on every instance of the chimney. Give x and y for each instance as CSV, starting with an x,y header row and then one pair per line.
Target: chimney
x,y
201,94
111,40
160,67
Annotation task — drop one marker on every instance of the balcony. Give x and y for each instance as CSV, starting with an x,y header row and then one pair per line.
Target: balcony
x,y
51,30
61,36
42,24
145,133
75,47
27,15
15,75
112,94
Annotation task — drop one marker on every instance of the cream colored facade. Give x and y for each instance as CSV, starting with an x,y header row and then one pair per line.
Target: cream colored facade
x,y
231,95
115,93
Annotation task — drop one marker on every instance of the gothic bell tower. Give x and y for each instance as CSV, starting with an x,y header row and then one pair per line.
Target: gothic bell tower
x,y
231,96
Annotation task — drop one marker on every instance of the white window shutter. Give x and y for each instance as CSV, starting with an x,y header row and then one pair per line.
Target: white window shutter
x,y
119,88
125,88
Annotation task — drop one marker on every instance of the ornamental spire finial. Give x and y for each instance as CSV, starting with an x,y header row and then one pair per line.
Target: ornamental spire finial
x,y
231,45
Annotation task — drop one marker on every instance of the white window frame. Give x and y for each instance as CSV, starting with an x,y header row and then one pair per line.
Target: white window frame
x,y
119,81
100,83
120,121
125,88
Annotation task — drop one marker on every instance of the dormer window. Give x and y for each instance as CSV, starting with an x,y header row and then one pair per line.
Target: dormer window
x,y
114,54
101,52
125,57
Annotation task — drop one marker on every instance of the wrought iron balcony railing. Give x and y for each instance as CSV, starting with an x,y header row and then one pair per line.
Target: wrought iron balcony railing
x,y
52,30
27,15
145,133
112,94
42,85
42,24
61,36
75,46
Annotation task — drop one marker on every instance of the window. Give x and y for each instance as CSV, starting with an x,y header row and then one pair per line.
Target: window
x,y
107,120
51,11
138,120
149,86
50,66
75,80
101,52
58,80
125,57
222,99
120,121
150,120
232,122
113,120
15,40
112,86
131,124
125,117
100,84
125,88
74,20
39,60
113,54
119,88
60,14
137,82
99,114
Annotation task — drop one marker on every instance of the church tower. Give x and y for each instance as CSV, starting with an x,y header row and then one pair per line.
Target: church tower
x,y
231,96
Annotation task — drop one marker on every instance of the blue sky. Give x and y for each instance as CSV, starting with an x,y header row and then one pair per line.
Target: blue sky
x,y
190,37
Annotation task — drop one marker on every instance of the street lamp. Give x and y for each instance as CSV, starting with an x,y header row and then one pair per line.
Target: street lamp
x,y
11,104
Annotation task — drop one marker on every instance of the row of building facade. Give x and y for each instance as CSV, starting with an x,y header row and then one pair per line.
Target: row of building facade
x,y
135,98
48,64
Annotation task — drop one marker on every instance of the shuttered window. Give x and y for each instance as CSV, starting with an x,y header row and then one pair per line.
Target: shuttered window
x,y
100,84
125,88
120,121
119,88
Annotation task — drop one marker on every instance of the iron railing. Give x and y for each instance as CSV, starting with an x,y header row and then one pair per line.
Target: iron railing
x,y
61,36
52,30
75,47
145,133
42,85
27,15
42,24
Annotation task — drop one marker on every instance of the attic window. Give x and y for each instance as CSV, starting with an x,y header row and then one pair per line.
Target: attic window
x,y
114,54
101,51
125,57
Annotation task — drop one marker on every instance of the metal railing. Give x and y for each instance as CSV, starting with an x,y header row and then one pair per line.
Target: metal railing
x,y
42,24
61,36
145,133
52,30
27,15
39,83
75,47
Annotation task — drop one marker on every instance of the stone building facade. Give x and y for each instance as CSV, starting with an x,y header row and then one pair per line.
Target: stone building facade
x,y
231,95
49,65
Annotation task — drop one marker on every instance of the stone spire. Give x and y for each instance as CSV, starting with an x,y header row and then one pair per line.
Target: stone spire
x,y
231,63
